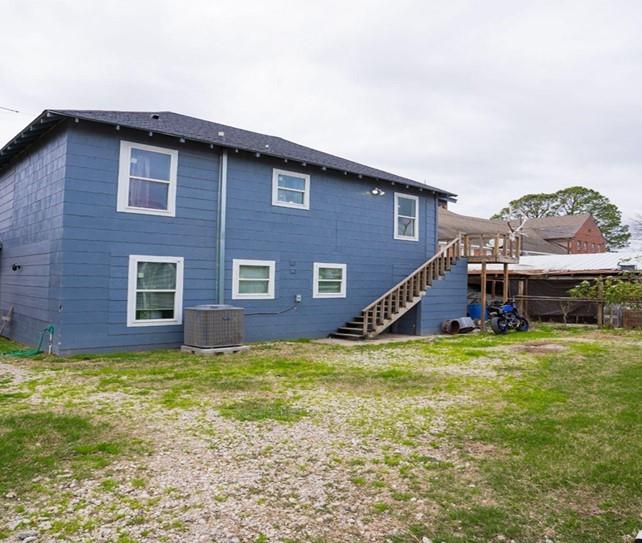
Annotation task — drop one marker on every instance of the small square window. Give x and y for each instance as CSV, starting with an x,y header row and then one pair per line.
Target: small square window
x,y
147,179
290,189
253,279
155,292
406,217
330,280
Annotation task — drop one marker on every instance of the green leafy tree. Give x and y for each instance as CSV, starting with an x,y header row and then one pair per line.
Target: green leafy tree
x,y
532,206
572,201
613,290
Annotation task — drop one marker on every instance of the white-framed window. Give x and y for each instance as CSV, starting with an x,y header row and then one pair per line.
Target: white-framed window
x,y
406,217
253,279
330,280
155,290
290,189
147,179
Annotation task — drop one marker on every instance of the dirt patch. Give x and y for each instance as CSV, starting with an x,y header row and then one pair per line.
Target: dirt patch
x,y
541,348
14,374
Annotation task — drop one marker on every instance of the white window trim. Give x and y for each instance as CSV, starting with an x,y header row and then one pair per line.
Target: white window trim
x,y
131,290
344,280
236,265
275,189
396,233
123,180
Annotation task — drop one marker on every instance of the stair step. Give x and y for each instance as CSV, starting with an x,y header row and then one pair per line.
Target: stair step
x,y
350,330
352,337
394,305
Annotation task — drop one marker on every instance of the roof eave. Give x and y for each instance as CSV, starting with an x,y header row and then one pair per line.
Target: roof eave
x,y
437,191
50,117
28,135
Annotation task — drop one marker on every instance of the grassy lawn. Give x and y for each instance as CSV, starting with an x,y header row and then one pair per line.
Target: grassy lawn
x,y
533,437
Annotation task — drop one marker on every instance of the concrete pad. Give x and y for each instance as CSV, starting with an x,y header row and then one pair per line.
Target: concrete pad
x,y
212,352
383,338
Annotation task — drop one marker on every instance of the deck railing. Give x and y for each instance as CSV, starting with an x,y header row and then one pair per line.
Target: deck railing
x,y
497,247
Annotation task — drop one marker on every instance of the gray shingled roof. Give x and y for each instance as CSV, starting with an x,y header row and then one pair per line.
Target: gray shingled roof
x,y
191,128
557,227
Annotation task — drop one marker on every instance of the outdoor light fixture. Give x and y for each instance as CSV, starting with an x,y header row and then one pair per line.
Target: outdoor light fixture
x,y
377,192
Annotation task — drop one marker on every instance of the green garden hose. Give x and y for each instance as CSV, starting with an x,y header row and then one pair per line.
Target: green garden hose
x,y
26,353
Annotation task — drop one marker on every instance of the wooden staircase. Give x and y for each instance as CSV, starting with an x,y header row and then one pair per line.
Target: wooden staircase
x,y
401,298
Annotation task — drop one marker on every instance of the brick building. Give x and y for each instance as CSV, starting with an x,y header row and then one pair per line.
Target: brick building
x,y
573,233
568,234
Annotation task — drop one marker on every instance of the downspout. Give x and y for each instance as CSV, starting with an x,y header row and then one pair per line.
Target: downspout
x,y
222,211
436,222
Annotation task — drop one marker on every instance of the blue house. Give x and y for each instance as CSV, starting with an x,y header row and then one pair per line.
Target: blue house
x,y
113,222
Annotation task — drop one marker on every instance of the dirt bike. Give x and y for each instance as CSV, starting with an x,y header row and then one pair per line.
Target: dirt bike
x,y
505,317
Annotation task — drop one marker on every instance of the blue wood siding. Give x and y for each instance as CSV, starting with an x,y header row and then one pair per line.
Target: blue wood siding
x,y
58,217
345,224
31,216
446,299
98,240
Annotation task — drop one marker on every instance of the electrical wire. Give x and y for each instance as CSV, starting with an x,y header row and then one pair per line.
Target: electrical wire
x,y
275,312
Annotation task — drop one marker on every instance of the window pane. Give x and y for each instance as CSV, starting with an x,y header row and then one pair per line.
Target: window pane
x,y
154,305
254,272
330,287
330,273
290,197
156,275
406,206
149,164
148,194
253,287
406,227
290,182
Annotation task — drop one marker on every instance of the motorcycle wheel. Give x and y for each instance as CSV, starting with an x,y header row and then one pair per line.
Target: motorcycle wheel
x,y
498,325
523,325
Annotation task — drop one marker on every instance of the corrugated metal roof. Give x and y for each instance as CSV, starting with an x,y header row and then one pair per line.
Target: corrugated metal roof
x,y
200,130
572,263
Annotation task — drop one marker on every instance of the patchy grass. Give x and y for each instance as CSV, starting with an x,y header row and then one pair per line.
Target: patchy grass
x,y
461,439
258,409
37,444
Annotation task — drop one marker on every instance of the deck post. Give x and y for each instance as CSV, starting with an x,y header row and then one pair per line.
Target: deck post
x,y
482,324
600,304
520,293
506,283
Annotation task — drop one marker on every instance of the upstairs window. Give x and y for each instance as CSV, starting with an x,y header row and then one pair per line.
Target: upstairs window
x,y
147,179
406,217
155,293
253,279
329,280
290,189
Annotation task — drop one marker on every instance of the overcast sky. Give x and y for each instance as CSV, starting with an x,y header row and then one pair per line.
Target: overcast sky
x,y
489,99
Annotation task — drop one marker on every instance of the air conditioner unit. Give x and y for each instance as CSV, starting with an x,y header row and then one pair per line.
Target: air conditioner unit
x,y
213,326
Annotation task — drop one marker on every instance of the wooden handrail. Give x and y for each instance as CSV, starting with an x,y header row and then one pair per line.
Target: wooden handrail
x,y
420,268
399,299
479,245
